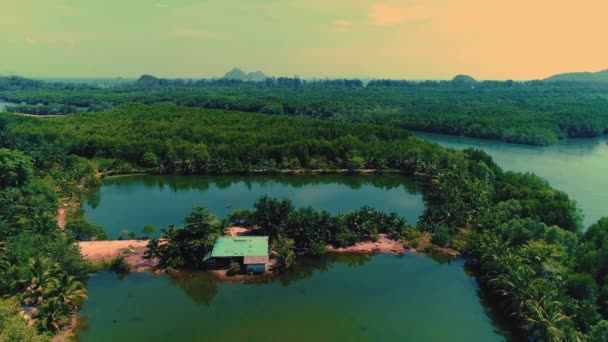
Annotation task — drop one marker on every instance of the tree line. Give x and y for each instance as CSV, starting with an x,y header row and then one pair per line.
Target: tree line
x,y
533,112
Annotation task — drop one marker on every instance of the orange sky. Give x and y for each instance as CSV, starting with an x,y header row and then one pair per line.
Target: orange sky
x,y
416,39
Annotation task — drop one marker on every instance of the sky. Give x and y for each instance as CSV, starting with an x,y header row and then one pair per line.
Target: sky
x,y
406,39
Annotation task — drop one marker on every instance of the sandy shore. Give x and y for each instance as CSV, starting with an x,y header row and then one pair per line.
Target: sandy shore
x,y
383,245
96,251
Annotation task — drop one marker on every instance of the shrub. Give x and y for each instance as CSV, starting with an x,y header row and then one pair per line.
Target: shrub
x,y
120,265
411,237
284,252
85,231
234,268
318,248
148,230
441,235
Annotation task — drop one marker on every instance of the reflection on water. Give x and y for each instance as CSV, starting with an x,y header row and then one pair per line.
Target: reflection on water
x,y
334,297
131,202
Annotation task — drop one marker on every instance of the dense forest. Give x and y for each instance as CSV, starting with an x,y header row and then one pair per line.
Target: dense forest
x,y
523,237
42,273
532,112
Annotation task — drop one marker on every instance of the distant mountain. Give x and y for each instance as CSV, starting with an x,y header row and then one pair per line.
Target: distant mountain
x,y
464,80
147,81
601,76
239,74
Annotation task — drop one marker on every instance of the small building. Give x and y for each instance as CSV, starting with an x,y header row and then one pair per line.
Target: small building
x,y
249,251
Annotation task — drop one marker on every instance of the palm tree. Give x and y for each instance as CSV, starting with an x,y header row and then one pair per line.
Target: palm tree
x,y
41,274
52,315
68,291
545,318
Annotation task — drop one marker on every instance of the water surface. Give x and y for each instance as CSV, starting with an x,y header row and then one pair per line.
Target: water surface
x,y
577,166
134,201
333,298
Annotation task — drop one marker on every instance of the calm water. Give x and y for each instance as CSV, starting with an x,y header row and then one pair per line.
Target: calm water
x,y
577,166
335,298
134,201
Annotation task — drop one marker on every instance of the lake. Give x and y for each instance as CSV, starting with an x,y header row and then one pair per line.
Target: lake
x,y
134,201
578,167
330,298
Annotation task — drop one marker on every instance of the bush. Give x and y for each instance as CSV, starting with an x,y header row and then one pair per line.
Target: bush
x,y
441,235
318,248
126,234
241,218
284,252
119,265
411,237
234,268
85,231
148,230
13,327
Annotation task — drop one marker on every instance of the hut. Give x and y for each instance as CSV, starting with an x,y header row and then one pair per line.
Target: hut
x,y
249,251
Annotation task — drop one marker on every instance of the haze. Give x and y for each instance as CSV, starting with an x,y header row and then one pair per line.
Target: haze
x,y
315,38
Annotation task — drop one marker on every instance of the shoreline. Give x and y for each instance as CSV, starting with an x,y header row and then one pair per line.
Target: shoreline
x,y
133,251
290,172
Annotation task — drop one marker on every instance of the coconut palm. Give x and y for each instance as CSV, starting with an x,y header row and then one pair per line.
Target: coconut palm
x,y
52,315
40,281
545,318
68,291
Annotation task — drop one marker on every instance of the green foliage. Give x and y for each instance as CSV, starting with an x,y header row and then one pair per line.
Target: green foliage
x,y
82,230
119,265
284,252
148,230
233,269
441,235
355,163
241,218
185,246
14,328
126,234
411,237
534,112
271,215
15,168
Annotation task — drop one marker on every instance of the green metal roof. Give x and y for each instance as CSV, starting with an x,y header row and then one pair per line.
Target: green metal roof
x,y
240,246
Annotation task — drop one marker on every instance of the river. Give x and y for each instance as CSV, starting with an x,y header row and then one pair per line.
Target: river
x,y
578,167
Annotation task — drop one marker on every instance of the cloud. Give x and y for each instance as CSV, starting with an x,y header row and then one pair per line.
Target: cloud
x,y
385,15
342,25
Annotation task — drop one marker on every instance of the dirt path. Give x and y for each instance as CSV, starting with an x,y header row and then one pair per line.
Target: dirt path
x,y
66,206
39,115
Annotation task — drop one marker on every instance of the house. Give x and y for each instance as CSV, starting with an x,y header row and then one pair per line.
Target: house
x,y
249,251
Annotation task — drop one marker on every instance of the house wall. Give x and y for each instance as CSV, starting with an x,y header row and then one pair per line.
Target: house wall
x,y
255,268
